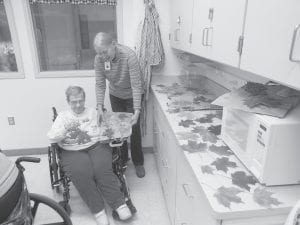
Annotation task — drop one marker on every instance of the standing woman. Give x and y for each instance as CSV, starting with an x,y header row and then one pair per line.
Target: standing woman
x,y
119,65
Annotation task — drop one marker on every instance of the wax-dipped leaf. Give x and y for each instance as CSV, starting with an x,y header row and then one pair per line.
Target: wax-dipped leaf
x,y
205,134
223,164
207,169
187,115
264,198
173,110
186,123
207,118
187,136
221,150
216,130
241,179
226,196
193,147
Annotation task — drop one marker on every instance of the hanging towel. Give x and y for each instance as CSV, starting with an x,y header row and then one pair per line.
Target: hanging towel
x,y
149,51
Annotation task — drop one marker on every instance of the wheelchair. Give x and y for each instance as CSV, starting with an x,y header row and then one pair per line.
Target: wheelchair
x,y
60,181
18,207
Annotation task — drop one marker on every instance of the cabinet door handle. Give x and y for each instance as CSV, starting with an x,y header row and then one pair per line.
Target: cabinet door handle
x,y
176,34
293,44
203,36
186,190
207,36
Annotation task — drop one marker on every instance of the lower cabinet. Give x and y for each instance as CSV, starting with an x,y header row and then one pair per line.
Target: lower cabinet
x,y
165,154
192,207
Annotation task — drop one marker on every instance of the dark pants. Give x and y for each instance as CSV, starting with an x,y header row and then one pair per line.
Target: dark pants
x,y
126,105
92,174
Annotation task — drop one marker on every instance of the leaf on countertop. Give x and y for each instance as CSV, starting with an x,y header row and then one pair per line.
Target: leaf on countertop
x,y
226,196
187,136
215,129
173,110
219,114
207,169
188,115
208,118
223,164
193,147
221,150
241,179
264,198
199,99
186,123
205,134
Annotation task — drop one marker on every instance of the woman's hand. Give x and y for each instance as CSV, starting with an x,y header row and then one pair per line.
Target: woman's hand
x,y
135,117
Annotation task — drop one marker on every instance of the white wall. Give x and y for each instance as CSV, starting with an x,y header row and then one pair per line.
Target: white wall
x,y
29,100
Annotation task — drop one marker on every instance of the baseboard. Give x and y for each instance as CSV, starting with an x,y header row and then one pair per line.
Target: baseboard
x,y
25,151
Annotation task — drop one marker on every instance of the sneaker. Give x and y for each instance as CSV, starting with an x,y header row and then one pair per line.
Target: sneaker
x,y
140,171
101,218
124,212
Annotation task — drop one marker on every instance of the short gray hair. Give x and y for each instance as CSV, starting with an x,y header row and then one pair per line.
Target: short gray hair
x,y
74,90
103,38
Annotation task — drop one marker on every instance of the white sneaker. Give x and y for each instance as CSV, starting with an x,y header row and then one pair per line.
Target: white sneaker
x,y
124,212
101,218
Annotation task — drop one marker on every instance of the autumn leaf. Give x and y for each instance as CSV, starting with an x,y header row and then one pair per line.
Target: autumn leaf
x,y
241,179
216,130
205,134
264,198
223,164
226,196
186,123
219,114
173,110
187,115
187,136
109,132
221,150
207,169
206,119
193,147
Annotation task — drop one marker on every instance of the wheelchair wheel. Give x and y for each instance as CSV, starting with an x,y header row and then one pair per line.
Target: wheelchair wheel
x,y
53,168
37,199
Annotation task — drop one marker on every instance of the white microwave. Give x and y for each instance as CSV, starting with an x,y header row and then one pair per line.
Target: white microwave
x,y
268,146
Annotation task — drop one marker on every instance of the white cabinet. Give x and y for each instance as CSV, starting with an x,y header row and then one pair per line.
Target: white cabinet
x,y
181,24
227,29
192,207
165,153
269,29
210,28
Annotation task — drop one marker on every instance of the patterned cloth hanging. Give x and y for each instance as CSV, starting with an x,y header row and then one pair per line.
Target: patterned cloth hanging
x,y
76,2
149,51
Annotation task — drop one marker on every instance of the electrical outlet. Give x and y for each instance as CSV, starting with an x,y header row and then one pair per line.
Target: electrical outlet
x,y
11,120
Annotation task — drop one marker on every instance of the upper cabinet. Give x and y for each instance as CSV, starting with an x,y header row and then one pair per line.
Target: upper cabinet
x,y
272,40
261,37
181,24
227,30
211,29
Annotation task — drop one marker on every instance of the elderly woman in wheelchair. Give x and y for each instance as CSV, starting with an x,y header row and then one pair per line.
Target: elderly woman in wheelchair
x,y
85,160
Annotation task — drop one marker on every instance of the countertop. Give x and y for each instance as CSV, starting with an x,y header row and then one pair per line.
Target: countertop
x,y
231,190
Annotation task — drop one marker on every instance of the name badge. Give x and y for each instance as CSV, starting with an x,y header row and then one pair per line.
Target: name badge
x,y
107,65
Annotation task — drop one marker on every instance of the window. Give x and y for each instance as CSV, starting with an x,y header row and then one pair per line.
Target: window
x,y
64,34
10,63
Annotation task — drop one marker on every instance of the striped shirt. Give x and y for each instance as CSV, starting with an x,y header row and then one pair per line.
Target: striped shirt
x,y
124,76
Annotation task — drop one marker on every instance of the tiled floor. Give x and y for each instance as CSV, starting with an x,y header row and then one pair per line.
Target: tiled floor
x,y
146,194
